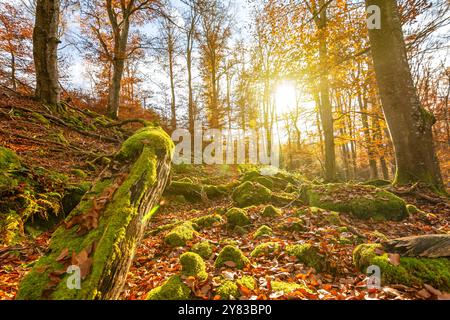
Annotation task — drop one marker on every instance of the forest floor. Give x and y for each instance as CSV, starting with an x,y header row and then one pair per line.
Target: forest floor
x,y
73,148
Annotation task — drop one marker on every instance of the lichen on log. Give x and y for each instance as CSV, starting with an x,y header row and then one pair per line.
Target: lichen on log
x,y
101,233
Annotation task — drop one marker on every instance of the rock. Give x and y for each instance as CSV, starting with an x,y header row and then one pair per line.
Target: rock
x,y
251,193
172,289
308,255
410,271
228,290
180,235
271,212
193,265
207,221
265,249
231,254
237,217
204,249
363,202
287,287
262,231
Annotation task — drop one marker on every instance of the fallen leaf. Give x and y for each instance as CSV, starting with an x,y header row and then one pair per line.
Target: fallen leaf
x,y
394,258
230,264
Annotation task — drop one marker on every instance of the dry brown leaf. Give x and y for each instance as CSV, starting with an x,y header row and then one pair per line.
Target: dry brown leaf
x,y
394,258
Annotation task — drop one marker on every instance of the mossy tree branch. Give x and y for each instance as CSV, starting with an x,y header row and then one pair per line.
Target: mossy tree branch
x,y
100,235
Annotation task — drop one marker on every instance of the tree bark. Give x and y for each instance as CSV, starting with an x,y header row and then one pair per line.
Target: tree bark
x,y
101,234
326,111
45,51
410,125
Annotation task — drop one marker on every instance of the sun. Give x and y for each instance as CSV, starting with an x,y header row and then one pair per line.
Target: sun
x,y
285,97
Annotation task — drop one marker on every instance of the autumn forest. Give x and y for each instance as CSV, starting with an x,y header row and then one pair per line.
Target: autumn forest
x,y
195,150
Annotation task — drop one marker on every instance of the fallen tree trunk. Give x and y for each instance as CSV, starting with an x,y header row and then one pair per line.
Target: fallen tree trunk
x,y
430,246
98,239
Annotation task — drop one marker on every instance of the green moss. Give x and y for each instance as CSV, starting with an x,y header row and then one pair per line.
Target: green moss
x,y
208,221
234,254
165,227
204,249
247,281
193,265
110,233
266,182
332,218
40,118
410,272
251,193
363,202
265,249
378,183
271,212
152,137
180,235
228,290
287,287
262,232
308,255
239,230
79,173
237,217
293,225
172,289
8,160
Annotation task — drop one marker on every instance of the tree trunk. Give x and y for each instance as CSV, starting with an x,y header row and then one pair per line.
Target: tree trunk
x,y
45,51
410,125
367,137
326,111
101,234
13,71
172,86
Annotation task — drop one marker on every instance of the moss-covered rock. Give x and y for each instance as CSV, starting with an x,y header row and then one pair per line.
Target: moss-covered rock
x,y
233,254
204,249
8,160
308,255
287,287
361,201
265,249
172,289
271,212
208,221
377,183
410,271
293,224
79,173
239,230
248,282
251,193
180,235
228,290
193,265
262,231
332,218
237,217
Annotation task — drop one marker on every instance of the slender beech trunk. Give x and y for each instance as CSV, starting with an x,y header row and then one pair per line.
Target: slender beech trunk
x,y
326,111
172,82
410,125
367,137
45,51
13,71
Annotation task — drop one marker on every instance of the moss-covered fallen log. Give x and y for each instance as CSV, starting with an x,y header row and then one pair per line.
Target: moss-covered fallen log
x,y
98,239
364,202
